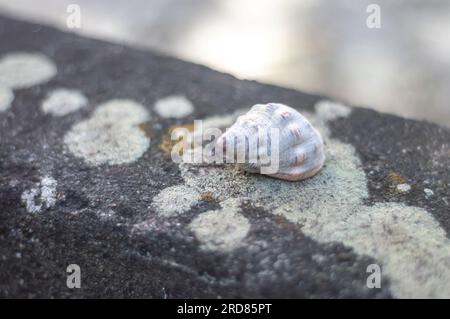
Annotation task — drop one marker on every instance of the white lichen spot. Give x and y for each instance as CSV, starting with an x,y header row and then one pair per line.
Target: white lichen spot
x,y
428,192
329,110
22,70
6,98
61,102
111,135
403,188
41,197
175,200
221,230
174,106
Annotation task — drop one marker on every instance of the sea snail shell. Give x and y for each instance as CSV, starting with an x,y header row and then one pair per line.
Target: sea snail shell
x,y
300,149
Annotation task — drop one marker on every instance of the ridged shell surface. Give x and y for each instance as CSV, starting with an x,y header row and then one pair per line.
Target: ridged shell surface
x,y
295,144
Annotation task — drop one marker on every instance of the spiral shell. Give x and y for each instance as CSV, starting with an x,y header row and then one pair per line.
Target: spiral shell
x,y
297,148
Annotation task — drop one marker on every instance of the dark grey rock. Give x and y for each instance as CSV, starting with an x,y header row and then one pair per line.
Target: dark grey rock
x,y
167,260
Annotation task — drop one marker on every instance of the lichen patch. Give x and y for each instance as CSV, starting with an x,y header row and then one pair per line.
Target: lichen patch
x,y
60,102
40,197
329,110
174,106
221,230
111,135
22,69
403,188
175,199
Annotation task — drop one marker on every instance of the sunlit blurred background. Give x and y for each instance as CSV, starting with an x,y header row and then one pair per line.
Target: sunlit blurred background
x,y
312,45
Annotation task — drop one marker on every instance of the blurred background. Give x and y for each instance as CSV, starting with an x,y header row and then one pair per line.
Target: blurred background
x,y
316,46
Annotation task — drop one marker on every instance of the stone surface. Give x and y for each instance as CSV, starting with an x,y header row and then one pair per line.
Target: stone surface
x,y
93,188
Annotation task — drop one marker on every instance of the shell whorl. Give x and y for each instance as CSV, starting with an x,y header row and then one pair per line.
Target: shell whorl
x,y
298,145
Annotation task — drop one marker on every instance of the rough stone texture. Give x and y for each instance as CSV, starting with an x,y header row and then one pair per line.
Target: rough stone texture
x,y
103,217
